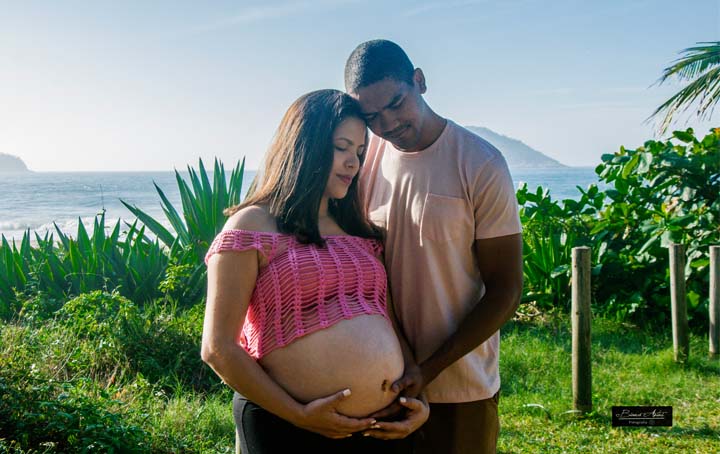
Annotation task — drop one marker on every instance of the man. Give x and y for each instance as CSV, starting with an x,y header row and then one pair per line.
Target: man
x,y
453,250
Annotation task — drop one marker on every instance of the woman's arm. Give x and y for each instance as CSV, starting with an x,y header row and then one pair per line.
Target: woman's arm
x,y
231,280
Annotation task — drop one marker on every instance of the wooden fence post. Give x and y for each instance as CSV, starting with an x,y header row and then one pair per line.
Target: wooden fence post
x,y
581,359
714,338
678,303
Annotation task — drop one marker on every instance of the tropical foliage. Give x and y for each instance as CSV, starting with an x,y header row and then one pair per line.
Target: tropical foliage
x,y
145,262
129,262
203,203
202,218
661,192
550,230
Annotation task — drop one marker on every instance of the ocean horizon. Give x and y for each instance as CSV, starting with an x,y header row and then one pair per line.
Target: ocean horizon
x,y
37,201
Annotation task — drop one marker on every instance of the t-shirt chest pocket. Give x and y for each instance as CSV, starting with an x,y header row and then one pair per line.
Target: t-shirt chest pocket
x,y
444,218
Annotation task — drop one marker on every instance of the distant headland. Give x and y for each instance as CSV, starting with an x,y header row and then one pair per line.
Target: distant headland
x,y
10,163
517,154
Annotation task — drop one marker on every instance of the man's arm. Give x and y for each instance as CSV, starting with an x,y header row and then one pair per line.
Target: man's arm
x,y
500,263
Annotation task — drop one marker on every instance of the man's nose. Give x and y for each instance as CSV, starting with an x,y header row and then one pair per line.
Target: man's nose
x,y
388,121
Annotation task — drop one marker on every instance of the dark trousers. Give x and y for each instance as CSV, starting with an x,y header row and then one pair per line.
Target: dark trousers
x,y
261,432
461,428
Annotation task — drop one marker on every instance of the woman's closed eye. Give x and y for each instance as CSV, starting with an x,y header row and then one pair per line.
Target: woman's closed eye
x,y
360,150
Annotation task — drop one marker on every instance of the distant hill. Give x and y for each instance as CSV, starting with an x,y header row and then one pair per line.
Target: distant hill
x,y
517,154
10,163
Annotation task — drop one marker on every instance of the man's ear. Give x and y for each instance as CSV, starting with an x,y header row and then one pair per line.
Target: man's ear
x,y
419,80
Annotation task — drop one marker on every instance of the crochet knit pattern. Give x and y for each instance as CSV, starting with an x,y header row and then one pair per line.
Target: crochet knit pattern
x,y
305,288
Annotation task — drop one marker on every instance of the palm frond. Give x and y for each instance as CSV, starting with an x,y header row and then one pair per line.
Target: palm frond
x,y
695,61
704,89
701,65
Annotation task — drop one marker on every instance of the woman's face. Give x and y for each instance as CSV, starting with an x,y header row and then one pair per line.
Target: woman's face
x,y
348,145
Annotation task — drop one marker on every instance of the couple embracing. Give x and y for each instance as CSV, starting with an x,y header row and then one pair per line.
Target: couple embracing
x,y
355,297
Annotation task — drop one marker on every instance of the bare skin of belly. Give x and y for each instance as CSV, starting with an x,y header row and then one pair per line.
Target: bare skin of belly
x,y
362,354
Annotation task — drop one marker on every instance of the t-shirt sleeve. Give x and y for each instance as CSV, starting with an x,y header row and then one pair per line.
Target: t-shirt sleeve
x,y
242,240
494,202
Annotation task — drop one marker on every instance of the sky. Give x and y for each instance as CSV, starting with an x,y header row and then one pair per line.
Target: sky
x,y
155,85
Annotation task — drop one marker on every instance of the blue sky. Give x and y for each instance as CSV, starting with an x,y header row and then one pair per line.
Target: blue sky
x,y
103,85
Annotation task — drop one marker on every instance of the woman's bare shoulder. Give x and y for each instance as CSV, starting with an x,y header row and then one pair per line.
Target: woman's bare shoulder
x,y
255,218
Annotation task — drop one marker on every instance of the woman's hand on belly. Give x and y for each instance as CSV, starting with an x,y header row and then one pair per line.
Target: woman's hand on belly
x,y
321,416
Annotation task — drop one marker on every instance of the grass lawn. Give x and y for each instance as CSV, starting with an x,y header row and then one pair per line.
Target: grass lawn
x,y
631,366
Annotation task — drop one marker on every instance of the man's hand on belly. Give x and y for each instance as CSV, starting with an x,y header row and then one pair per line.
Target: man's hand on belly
x,y
410,384
417,412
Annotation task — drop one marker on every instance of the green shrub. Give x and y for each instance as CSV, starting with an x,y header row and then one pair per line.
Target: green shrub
x,y
659,193
39,307
107,364
97,314
41,414
164,346
160,342
550,230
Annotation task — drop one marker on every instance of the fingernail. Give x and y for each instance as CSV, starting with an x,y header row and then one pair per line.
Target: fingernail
x,y
403,400
375,426
374,421
366,434
347,392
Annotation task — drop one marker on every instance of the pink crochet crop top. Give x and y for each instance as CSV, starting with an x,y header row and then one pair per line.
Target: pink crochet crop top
x,y
305,288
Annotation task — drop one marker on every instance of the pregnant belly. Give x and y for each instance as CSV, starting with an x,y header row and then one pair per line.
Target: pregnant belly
x,y
362,354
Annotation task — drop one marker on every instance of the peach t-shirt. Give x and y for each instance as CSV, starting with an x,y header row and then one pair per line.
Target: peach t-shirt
x,y
434,203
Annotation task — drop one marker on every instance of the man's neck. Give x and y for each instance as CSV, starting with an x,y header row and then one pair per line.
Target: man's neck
x,y
435,128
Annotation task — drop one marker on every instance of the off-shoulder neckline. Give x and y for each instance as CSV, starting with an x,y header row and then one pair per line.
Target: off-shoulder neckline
x,y
291,235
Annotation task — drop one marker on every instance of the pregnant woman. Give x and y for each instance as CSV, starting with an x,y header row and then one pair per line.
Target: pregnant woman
x,y
297,320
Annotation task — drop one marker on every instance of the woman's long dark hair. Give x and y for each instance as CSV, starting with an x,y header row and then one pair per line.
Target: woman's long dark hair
x,y
297,167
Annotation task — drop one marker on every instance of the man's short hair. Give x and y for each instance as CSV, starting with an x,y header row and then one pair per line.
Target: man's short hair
x,y
373,61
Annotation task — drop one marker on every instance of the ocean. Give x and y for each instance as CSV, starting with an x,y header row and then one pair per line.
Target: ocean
x,y
38,200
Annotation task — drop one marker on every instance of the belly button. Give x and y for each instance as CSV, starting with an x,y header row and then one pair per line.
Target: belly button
x,y
384,386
